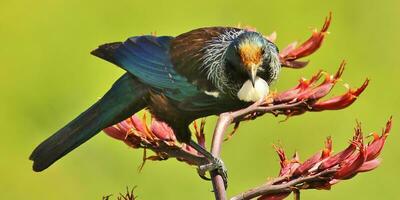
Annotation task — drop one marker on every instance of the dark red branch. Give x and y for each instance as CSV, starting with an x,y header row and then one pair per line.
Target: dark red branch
x,y
287,187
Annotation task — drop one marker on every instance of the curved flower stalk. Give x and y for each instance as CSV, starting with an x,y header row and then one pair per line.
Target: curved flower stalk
x,y
323,169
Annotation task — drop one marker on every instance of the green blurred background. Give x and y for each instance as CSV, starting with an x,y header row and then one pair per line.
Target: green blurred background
x,y
48,77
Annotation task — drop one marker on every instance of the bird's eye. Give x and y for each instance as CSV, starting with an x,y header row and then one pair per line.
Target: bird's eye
x,y
262,51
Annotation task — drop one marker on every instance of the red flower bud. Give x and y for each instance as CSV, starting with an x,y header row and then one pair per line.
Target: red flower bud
x,y
339,157
342,101
374,148
162,131
290,54
350,166
313,160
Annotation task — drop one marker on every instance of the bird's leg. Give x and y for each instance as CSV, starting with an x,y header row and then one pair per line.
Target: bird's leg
x,y
216,164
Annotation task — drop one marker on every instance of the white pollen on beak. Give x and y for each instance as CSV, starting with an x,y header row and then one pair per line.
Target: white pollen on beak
x,y
249,93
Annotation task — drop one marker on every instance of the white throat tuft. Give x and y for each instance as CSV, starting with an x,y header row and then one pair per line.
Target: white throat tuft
x,y
249,93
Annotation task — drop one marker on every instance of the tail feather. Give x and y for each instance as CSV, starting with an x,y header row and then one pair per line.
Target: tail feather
x,y
125,98
106,51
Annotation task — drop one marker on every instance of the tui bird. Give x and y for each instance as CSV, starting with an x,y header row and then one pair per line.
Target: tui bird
x,y
203,72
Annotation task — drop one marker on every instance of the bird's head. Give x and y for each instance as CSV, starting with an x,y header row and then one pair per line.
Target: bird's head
x,y
252,55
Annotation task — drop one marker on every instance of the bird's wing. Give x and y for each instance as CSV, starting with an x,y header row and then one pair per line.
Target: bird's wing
x,y
148,59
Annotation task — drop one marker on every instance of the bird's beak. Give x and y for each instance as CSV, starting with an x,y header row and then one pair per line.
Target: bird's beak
x,y
253,74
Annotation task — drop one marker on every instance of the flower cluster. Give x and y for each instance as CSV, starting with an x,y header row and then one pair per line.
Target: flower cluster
x,y
128,195
324,169
311,93
158,137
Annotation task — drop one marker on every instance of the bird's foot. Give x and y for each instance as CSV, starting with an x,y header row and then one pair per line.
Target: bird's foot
x,y
216,165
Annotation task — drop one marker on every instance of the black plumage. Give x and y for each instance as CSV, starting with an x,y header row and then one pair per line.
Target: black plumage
x,y
179,79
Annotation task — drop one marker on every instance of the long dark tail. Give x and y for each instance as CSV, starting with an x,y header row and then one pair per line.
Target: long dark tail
x,y
126,97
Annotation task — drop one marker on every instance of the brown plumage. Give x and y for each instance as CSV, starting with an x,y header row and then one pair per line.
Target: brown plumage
x,y
188,49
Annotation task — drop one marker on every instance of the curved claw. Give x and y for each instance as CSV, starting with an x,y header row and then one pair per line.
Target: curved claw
x,y
202,174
